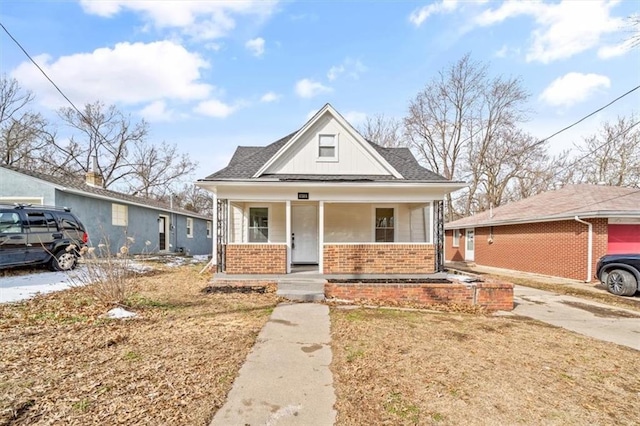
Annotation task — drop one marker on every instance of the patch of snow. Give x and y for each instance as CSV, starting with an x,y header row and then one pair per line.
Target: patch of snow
x,y
22,287
118,313
460,277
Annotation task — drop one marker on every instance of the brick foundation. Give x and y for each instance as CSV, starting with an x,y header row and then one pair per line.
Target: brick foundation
x,y
256,259
491,295
378,259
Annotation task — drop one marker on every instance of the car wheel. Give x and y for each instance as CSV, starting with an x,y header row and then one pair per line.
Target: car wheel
x,y
64,261
621,283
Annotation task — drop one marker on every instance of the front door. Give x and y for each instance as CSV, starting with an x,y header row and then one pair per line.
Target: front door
x,y
304,233
469,252
162,233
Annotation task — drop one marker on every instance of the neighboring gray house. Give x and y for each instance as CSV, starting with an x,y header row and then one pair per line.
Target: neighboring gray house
x,y
110,215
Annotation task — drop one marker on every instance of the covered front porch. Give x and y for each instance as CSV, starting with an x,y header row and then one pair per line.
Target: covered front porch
x,y
328,238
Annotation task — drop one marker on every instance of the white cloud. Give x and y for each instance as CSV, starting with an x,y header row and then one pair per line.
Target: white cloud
x,y
127,73
350,67
157,111
215,108
611,51
420,15
573,88
355,117
270,97
562,29
203,20
255,46
307,88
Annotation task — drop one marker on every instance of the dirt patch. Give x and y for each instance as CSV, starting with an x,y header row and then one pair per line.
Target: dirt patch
x,y
390,281
62,362
411,367
228,289
600,311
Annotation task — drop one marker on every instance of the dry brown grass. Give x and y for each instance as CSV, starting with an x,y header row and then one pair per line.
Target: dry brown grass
x,y
395,367
62,363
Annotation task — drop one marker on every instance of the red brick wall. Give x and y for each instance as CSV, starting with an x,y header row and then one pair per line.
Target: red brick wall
x,y
490,295
454,254
256,259
378,259
550,248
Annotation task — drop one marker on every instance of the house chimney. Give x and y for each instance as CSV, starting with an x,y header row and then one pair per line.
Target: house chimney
x,y
93,177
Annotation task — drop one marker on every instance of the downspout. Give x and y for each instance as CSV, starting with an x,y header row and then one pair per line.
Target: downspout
x,y
589,247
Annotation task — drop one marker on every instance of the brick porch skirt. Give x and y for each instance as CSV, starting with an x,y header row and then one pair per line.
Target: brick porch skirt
x,y
378,258
491,295
256,259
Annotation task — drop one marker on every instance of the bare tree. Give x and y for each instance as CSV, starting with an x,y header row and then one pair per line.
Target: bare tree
x,y
464,126
634,29
385,131
612,156
22,131
156,168
101,134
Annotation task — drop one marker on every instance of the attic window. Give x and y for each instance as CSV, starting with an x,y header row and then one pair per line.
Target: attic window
x,y
327,147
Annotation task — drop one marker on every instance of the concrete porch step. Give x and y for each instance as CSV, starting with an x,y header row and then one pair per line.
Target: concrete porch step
x,y
302,290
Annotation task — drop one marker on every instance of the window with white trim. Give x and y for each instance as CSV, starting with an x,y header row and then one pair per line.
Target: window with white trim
x,y
189,227
385,224
327,147
456,238
258,224
119,215
209,225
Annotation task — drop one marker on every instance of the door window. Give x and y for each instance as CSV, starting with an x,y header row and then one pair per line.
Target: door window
x,y
470,240
10,223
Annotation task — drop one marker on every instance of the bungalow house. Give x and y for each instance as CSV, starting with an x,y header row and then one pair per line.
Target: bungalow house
x,y
559,233
325,197
110,215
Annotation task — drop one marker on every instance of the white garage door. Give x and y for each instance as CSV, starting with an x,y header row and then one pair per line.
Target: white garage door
x,y
21,200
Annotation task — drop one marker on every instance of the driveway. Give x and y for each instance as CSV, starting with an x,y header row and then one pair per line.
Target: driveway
x,y
593,319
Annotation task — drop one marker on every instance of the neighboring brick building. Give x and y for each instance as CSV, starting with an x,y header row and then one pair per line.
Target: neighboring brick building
x,y
325,196
560,233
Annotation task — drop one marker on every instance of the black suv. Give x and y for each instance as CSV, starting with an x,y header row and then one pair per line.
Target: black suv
x,y
36,235
620,273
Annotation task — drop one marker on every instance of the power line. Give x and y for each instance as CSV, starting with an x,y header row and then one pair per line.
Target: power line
x,y
588,115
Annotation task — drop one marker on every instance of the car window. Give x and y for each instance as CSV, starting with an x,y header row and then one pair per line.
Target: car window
x,y
69,222
41,222
10,223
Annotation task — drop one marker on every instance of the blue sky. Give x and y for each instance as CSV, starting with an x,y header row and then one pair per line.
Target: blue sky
x,y
211,75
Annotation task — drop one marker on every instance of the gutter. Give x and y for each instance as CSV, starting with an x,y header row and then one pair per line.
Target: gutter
x,y
589,247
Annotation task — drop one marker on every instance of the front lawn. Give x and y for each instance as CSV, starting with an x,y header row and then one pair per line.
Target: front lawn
x,y
417,368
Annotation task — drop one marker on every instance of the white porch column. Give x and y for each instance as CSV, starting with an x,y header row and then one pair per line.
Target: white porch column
x,y
320,236
287,231
214,232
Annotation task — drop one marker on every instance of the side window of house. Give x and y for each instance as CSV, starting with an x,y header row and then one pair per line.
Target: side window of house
x,y
10,223
189,227
385,225
209,229
258,224
119,215
327,147
456,238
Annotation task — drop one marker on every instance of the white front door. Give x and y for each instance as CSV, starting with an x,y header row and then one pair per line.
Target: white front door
x,y
469,245
304,233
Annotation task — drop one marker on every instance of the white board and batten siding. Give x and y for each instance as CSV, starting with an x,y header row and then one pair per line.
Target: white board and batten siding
x,y
303,157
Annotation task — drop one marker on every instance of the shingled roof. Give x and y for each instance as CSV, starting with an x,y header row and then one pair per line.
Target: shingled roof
x,y
247,160
80,185
572,200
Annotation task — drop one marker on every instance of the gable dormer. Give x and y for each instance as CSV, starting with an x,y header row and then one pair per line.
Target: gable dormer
x,y
327,145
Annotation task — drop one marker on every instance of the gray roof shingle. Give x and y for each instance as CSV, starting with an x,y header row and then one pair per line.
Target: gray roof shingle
x,y
80,185
565,203
246,161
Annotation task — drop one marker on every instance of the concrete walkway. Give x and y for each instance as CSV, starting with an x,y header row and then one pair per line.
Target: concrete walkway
x,y
593,319
286,378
